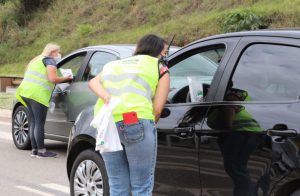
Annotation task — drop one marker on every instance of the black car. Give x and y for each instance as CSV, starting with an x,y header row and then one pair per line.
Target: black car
x,y
228,130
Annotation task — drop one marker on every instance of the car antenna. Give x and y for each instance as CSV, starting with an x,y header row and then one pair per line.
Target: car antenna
x,y
171,42
163,59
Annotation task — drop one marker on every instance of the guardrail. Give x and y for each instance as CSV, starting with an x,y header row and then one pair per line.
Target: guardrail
x,y
9,81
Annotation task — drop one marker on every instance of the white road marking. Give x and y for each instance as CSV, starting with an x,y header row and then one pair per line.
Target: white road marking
x,y
57,187
5,136
25,188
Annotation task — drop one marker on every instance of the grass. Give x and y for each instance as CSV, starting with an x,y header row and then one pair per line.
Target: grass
x,y
15,69
6,100
75,23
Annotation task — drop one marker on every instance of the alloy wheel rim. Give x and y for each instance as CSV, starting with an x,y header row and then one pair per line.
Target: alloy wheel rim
x,y
21,127
88,179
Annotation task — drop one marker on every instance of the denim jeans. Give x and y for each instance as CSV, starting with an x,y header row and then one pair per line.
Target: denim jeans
x,y
131,171
38,114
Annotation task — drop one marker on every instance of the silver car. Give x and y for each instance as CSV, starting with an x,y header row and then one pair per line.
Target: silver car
x,y
69,99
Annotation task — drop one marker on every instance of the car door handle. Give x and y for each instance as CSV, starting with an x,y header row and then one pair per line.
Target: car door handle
x,y
184,131
282,133
66,92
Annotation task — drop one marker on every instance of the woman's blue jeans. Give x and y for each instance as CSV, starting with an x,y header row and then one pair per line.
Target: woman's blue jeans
x,y
131,171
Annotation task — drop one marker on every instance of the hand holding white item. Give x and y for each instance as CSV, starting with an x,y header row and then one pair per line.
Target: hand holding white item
x,y
66,73
107,133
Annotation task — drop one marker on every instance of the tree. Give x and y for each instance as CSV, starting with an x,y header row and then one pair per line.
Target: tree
x,y
3,1
27,7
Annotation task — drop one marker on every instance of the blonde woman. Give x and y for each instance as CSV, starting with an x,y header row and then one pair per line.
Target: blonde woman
x,y
35,93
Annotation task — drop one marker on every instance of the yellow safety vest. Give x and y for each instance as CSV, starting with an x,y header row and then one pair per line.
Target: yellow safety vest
x,y
132,80
243,121
35,84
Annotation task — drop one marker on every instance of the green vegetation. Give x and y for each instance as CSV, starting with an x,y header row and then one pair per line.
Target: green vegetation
x,y
242,20
78,23
14,69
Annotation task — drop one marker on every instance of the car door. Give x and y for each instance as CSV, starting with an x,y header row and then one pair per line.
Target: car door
x,y
177,168
247,145
94,66
72,98
59,122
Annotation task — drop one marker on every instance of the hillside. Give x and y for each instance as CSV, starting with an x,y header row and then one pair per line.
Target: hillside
x,y
78,23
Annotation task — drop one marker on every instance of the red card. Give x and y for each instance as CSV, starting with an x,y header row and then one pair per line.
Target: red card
x,y
130,118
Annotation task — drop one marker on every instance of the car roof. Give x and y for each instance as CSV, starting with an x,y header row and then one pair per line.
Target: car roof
x,y
288,33
124,50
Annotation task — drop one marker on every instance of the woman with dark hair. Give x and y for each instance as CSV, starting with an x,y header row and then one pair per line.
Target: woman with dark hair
x,y
141,83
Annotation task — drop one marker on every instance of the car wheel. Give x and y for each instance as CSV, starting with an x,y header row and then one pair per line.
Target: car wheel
x,y
88,175
295,193
20,128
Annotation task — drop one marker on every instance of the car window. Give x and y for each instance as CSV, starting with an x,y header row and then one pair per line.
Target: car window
x,y
214,55
96,63
74,64
268,72
193,74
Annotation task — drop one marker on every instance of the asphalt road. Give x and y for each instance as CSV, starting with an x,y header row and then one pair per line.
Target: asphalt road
x,y
22,175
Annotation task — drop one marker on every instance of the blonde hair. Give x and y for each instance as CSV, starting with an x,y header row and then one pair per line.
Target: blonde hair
x,y
50,47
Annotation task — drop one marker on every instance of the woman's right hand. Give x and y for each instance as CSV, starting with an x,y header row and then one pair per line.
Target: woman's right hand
x,y
96,86
68,78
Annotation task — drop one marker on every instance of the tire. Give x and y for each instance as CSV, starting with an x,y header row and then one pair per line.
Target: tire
x,y
291,189
89,161
20,128
295,193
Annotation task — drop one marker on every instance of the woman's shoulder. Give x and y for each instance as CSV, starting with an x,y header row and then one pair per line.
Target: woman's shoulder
x,y
49,61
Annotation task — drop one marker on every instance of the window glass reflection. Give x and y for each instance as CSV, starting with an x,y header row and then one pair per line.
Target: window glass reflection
x,y
269,72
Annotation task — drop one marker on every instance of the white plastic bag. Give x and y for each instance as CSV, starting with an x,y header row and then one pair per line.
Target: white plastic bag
x,y
107,133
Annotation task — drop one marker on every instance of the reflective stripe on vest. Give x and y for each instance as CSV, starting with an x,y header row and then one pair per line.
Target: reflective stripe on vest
x,y
129,89
133,81
35,84
250,124
243,121
43,84
36,73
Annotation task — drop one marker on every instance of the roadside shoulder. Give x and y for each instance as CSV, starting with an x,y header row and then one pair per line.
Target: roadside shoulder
x,y
4,113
